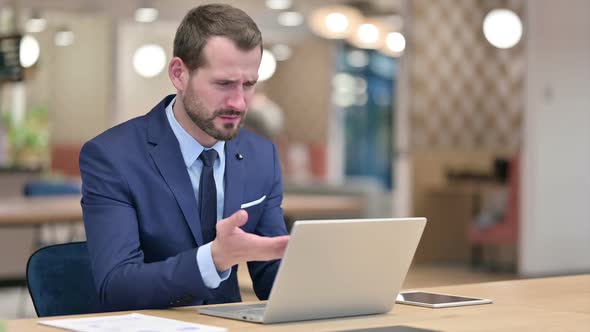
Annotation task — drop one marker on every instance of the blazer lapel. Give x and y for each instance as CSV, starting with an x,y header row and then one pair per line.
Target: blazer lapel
x,y
234,177
168,159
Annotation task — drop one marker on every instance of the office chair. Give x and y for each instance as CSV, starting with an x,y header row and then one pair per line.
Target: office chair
x,y
42,187
503,233
60,282
44,234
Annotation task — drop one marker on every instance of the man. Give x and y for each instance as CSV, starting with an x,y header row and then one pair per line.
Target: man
x,y
175,199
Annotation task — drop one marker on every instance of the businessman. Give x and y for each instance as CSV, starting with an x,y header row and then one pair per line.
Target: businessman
x,y
175,199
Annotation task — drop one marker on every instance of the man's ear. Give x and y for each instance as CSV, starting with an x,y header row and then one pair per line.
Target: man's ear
x,y
178,73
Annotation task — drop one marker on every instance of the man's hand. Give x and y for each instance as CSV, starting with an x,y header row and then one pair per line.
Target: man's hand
x,y
233,246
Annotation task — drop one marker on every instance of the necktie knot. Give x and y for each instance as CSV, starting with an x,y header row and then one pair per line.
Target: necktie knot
x,y
208,157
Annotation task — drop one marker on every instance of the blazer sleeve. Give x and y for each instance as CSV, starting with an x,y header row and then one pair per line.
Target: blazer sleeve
x,y
272,223
123,280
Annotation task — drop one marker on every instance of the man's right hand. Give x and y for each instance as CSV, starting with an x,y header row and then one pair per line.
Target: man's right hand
x,y
233,246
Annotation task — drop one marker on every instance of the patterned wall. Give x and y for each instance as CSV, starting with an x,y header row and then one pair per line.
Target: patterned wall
x,y
465,93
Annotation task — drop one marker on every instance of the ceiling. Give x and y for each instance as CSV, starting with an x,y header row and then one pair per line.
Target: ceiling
x,y
174,10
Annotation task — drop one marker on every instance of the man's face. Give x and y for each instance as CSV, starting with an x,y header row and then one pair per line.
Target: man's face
x,y
219,93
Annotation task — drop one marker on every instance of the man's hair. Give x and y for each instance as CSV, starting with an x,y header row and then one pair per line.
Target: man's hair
x,y
211,20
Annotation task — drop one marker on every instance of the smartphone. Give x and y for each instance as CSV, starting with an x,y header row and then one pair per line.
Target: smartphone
x,y
436,300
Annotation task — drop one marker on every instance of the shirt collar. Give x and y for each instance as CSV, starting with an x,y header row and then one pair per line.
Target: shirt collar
x,y
189,147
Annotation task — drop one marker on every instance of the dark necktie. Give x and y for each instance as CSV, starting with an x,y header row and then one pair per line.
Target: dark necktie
x,y
208,196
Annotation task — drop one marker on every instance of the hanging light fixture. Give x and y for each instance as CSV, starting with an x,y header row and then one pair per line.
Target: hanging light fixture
x,y
502,28
335,22
149,60
29,51
268,65
395,44
146,13
370,34
36,23
379,30
64,36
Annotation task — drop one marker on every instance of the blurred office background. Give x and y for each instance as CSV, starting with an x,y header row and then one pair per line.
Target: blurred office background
x,y
473,113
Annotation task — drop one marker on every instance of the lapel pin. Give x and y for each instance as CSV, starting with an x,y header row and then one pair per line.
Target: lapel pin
x,y
239,156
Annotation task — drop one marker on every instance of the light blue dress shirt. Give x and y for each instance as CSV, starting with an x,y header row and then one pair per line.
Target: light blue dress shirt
x,y
191,149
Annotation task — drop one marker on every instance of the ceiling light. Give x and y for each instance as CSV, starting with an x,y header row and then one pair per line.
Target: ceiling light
x,y
370,34
278,4
268,65
149,60
35,23
146,14
335,22
29,51
290,19
395,41
64,37
281,52
395,44
502,28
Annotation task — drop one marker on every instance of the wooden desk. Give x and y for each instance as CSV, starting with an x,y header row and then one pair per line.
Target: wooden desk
x,y
321,205
548,304
22,211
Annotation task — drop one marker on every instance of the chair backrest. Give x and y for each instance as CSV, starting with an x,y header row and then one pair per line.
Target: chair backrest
x,y
60,280
43,187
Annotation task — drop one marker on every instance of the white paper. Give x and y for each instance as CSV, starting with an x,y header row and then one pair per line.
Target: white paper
x,y
129,323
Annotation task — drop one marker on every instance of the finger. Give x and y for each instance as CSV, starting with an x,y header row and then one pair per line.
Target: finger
x,y
267,248
227,225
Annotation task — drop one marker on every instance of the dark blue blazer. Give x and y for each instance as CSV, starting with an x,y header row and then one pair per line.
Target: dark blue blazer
x,y
141,218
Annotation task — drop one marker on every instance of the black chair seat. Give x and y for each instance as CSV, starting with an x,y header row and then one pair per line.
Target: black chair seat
x,y
60,280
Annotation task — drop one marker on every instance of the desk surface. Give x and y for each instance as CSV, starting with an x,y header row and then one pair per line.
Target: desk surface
x,y
547,304
22,211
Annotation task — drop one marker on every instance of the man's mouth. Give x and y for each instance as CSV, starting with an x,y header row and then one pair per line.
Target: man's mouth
x,y
230,119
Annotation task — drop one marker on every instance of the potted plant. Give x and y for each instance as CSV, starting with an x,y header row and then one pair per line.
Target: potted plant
x,y
28,141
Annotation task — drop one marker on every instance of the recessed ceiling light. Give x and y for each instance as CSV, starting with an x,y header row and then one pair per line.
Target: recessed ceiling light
x,y
290,19
278,4
64,37
146,14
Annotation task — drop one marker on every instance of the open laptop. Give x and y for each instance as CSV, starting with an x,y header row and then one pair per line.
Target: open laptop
x,y
336,268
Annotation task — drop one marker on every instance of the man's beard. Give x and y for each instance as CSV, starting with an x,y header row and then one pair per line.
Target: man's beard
x,y
198,113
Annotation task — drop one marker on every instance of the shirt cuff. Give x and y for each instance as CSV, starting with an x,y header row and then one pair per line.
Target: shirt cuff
x,y
211,278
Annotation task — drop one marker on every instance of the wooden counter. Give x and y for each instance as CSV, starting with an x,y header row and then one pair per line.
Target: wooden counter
x,y
547,304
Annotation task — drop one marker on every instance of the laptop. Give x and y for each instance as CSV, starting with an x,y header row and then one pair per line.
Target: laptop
x,y
335,268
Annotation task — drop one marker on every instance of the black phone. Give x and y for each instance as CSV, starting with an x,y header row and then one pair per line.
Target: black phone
x,y
437,300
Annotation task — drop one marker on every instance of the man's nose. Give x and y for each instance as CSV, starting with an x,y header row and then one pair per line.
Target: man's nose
x,y
237,100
